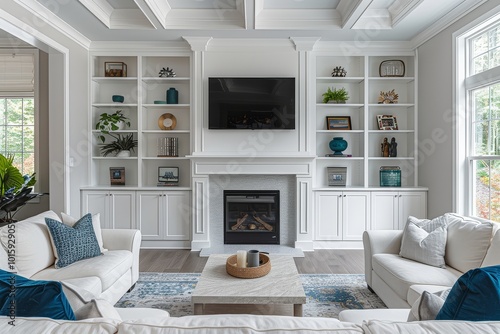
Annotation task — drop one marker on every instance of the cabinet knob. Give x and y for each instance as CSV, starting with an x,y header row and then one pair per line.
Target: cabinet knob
x,y
400,195
345,195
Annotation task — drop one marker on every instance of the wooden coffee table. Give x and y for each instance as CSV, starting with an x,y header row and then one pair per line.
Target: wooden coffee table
x,y
281,286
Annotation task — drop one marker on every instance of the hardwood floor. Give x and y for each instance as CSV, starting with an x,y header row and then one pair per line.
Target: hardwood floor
x,y
323,261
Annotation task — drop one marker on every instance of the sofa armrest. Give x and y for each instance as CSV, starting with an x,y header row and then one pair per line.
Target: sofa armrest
x,y
123,239
377,242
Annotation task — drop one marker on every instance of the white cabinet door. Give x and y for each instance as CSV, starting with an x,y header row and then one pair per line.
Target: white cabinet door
x,y
411,204
122,209
328,215
97,202
178,215
150,207
355,214
384,209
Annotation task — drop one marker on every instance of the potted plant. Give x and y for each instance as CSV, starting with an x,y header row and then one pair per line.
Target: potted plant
x,y
121,146
111,122
335,95
15,189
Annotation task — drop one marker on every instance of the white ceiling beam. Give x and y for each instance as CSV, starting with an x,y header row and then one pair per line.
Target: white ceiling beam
x,y
351,11
204,19
374,19
130,19
101,9
400,9
298,19
160,8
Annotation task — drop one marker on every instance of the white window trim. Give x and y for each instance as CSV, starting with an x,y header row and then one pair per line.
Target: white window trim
x,y
461,184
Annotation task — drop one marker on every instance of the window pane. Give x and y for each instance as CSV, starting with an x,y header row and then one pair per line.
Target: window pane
x,y
494,58
494,38
29,112
487,189
480,64
480,45
28,163
15,139
2,111
15,111
29,139
481,101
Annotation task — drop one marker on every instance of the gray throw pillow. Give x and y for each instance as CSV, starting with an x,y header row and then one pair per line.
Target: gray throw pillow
x,y
425,241
428,305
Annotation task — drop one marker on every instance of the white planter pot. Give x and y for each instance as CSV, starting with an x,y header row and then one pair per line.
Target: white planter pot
x,y
123,154
121,125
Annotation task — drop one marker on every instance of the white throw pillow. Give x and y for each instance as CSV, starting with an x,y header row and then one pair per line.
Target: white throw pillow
x,y
425,241
96,224
428,305
85,306
33,246
468,241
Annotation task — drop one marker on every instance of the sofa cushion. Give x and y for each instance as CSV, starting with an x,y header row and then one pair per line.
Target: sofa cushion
x,y
467,243
96,224
237,323
474,297
108,267
425,241
400,273
92,284
46,326
430,327
492,257
415,291
73,243
33,298
33,246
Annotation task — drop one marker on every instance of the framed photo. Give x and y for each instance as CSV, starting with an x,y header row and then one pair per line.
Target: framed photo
x,y
338,122
337,176
115,69
387,122
169,175
117,176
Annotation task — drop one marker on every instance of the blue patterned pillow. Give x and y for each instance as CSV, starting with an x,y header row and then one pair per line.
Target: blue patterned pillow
x,y
73,243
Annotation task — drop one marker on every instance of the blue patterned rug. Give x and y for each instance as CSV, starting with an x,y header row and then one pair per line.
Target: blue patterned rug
x,y
327,295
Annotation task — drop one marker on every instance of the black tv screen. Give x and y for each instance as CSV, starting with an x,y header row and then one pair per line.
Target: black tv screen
x,y
251,103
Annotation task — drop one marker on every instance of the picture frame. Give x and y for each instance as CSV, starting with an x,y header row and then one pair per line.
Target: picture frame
x,y
387,122
336,176
168,175
338,123
115,69
117,176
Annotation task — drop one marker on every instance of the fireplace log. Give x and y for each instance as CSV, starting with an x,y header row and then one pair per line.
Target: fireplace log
x,y
239,221
266,225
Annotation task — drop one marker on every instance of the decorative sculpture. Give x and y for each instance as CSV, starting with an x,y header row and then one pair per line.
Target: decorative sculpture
x,y
393,148
339,71
167,73
385,148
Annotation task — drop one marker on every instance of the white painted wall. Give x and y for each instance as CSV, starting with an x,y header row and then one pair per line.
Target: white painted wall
x,y
435,89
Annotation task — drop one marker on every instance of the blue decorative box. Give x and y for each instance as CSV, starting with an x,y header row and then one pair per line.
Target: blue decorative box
x,y
390,176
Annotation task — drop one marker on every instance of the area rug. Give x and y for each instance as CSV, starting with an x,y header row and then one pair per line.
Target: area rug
x,y
327,295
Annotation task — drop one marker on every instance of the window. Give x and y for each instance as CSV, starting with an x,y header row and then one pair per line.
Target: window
x,y
478,120
18,108
17,131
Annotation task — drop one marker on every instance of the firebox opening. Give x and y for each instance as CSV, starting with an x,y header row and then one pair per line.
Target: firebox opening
x,y
251,216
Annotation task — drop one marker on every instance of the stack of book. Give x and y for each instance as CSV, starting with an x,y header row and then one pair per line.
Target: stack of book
x,y
168,147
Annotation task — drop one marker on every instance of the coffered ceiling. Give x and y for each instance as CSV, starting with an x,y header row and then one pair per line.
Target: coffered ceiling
x,y
159,20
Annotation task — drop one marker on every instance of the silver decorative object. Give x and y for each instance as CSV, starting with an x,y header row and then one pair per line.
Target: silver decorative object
x,y
167,73
339,71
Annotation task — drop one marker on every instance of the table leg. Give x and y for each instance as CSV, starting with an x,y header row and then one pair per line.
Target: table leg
x,y
297,310
198,309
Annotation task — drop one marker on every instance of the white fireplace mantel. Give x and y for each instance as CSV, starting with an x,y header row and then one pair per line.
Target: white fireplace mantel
x,y
205,165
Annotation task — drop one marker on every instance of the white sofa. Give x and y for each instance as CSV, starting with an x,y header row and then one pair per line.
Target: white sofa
x,y
244,324
399,281
108,276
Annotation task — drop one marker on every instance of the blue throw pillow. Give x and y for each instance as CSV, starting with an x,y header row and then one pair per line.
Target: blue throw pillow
x,y
73,243
22,297
475,296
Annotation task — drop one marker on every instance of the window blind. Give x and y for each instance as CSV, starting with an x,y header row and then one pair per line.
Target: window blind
x,y
17,72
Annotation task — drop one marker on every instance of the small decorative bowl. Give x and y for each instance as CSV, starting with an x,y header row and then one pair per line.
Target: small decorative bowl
x,y
249,272
118,98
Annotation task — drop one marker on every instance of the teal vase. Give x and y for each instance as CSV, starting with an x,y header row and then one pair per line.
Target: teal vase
x,y
337,145
172,96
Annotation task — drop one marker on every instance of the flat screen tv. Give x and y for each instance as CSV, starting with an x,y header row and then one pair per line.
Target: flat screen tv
x,y
251,103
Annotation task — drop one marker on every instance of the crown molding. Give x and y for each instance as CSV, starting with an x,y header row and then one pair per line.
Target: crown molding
x,y
453,16
138,47
54,21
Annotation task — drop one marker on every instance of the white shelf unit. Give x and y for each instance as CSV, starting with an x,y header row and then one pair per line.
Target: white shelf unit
x,y
364,85
141,88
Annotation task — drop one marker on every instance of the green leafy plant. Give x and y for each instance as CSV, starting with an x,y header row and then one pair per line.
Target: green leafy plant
x,y
15,189
121,143
110,122
337,95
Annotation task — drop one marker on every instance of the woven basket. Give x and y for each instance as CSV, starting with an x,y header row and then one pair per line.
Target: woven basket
x,y
252,272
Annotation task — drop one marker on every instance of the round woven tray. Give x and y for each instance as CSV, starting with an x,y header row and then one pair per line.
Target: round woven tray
x,y
252,272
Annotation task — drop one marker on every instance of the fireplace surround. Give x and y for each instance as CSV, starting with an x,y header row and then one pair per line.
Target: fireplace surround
x,y
251,217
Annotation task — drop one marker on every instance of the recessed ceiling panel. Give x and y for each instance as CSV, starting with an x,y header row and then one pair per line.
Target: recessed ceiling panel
x,y
202,4
123,4
301,4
